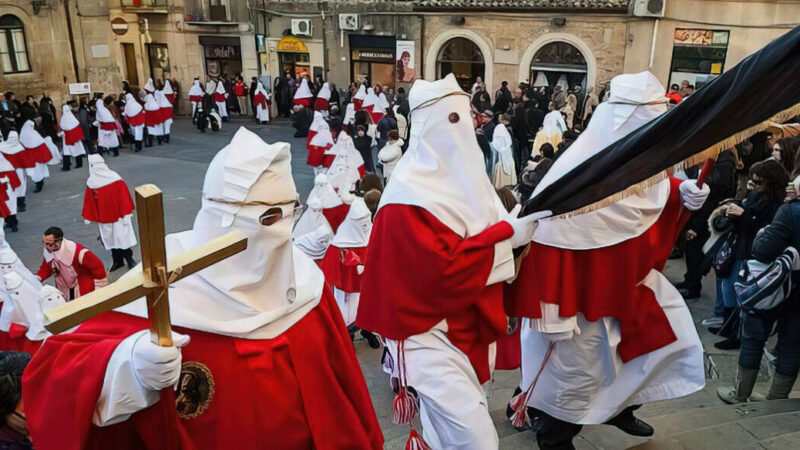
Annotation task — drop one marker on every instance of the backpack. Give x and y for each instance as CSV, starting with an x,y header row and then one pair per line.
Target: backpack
x,y
763,287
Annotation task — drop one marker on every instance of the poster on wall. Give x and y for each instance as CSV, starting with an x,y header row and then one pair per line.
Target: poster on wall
x,y
405,62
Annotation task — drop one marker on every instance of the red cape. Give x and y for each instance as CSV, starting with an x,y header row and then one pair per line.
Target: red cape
x,y
340,266
108,126
73,136
335,216
316,155
40,154
152,118
220,98
321,104
14,340
13,178
302,389
260,99
303,101
421,272
107,204
136,120
604,282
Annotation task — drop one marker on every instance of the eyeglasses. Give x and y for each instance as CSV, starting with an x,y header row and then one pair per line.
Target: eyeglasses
x,y
757,181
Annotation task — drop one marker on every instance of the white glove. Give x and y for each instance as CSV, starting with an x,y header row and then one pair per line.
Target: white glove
x,y
524,227
360,269
555,337
157,367
692,196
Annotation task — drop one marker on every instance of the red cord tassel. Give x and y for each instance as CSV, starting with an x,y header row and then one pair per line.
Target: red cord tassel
x,y
404,407
415,442
520,406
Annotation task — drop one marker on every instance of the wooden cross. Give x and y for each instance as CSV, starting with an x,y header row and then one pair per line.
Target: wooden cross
x,y
156,276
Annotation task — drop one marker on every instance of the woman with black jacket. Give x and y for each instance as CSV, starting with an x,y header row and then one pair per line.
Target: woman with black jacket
x,y
363,143
769,180
783,232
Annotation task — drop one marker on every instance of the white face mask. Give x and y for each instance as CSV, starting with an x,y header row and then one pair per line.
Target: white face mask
x,y
52,300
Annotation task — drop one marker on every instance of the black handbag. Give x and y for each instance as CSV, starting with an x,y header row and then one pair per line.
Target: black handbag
x,y
723,260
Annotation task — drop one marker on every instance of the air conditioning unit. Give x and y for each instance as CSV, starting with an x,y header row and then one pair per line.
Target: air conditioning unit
x,y
348,22
649,8
301,27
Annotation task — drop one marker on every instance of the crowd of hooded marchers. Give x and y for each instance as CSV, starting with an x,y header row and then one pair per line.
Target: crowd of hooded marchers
x,y
410,238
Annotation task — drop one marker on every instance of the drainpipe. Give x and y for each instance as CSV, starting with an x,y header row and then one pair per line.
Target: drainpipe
x,y
71,41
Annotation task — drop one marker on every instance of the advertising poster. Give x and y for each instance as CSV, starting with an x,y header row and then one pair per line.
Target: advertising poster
x,y
405,62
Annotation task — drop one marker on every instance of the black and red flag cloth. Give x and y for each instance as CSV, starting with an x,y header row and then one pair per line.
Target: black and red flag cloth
x,y
762,89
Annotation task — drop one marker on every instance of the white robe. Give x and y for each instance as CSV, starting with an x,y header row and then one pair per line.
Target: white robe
x,y
504,172
38,173
119,234
75,149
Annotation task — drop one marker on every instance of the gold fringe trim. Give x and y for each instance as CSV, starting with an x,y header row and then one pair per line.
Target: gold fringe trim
x,y
700,157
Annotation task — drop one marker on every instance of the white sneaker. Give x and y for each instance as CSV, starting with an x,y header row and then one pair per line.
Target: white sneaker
x,y
712,322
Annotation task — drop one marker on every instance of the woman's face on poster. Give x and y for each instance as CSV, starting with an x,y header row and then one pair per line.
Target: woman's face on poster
x,y
406,59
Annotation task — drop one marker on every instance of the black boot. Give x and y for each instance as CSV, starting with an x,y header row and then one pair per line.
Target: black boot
x,y
12,223
39,186
65,163
116,257
372,340
628,423
159,139
166,138
149,140
138,146
20,204
116,151
79,161
128,255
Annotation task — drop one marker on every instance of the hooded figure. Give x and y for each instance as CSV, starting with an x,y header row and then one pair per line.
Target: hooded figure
x,y
347,166
14,338
20,159
553,128
150,87
108,203
591,284
55,153
9,183
263,316
440,320
22,311
333,207
165,110
220,95
261,100
34,144
153,120
321,104
195,94
316,148
312,234
72,136
303,94
504,173
168,92
106,128
134,115
372,104
344,260
359,96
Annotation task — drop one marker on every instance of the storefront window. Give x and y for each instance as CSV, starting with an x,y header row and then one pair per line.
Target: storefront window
x,y
464,59
375,65
698,56
223,55
558,63
158,55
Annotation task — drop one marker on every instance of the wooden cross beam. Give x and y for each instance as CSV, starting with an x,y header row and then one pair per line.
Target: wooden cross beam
x,y
156,276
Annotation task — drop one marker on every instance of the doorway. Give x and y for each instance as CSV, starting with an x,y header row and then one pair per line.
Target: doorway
x,y
131,72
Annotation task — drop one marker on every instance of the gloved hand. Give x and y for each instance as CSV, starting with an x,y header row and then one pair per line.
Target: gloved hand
x,y
692,196
157,367
562,336
524,227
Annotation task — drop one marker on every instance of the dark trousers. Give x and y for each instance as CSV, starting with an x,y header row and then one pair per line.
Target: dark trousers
x,y
756,329
369,164
694,261
552,433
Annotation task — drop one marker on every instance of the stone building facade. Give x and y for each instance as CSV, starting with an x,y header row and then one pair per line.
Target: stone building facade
x,y
38,56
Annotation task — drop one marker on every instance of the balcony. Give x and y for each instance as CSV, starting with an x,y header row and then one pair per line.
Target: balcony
x,y
210,12
145,6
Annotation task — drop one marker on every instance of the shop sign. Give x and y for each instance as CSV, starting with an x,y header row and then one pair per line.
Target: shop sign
x,y
379,55
222,51
79,88
700,37
292,44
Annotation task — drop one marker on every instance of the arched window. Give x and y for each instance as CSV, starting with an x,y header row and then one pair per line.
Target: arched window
x,y
559,63
464,59
13,53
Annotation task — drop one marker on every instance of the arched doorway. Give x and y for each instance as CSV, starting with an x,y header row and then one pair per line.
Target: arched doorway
x,y
559,63
464,59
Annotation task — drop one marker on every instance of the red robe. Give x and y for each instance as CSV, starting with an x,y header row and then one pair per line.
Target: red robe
x,y
604,282
300,390
321,104
136,120
13,178
336,215
316,155
107,204
340,266
4,211
14,339
152,118
303,101
422,272
71,137
88,268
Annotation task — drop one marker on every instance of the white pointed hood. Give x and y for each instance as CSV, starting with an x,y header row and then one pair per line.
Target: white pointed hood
x,y
303,91
11,145
355,229
443,170
196,89
220,88
167,88
22,306
132,107
162,100
99,173
103,114
68,120
262,291
349,114
323,193
503,145
383,103
149,87
635,100
150,103
361,93
371,100
318,123
324,91
29,137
